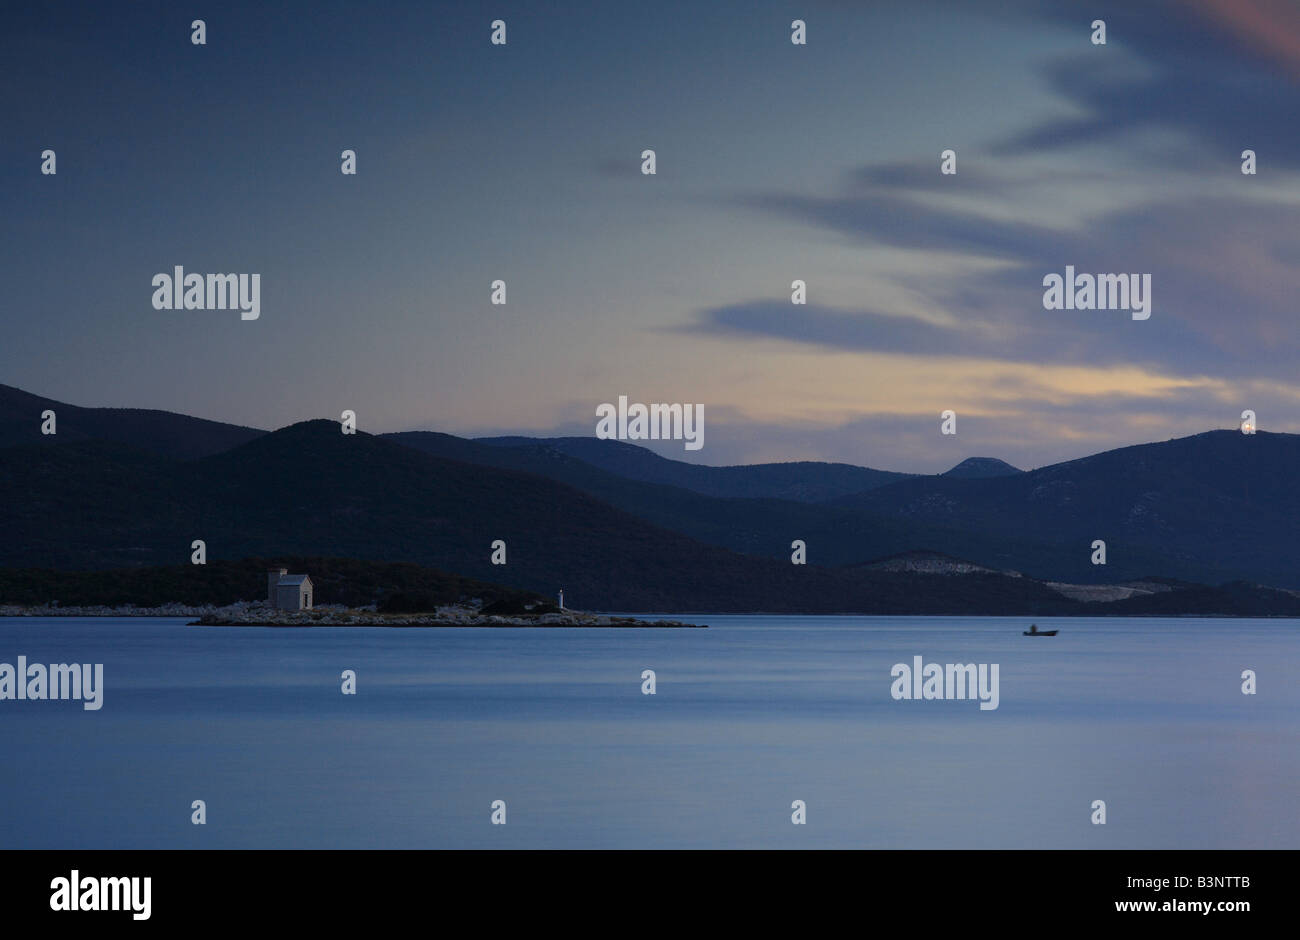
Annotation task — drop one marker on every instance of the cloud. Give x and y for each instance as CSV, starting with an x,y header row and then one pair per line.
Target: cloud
x,y
903,222
1222,73
1222,273
916,176
1270,26
824,326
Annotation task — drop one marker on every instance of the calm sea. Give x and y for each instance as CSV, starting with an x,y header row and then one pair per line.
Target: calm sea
x,y
749,715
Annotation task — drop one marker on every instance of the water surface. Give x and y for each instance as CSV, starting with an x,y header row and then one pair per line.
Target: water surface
x,y
749,715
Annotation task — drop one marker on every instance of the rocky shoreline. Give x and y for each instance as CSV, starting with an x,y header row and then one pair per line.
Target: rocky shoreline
x,y
261,614
102,610
415,620
442,617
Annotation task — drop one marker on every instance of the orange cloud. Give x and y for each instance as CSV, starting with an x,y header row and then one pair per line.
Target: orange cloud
x,y
1272,26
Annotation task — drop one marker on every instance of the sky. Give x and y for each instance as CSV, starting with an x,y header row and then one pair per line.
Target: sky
x,y
775,162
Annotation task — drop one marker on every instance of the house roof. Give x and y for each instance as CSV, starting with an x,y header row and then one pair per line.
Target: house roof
x,y
292,579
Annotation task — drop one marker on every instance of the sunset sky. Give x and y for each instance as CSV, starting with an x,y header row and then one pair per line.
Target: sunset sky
x,y
775,162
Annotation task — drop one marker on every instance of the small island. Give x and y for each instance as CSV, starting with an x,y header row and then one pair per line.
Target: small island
x,y
359,593
290,603
456,615
258,614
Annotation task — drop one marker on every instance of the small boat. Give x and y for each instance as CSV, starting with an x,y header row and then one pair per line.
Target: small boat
x,y
1034,631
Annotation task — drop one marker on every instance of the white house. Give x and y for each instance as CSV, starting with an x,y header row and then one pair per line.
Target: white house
x,y
288,591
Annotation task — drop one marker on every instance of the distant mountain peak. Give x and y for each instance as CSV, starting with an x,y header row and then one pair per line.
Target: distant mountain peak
x,y
978,467
926,561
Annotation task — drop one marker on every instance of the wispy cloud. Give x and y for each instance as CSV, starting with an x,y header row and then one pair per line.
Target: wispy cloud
x,y
1224,73
1222,269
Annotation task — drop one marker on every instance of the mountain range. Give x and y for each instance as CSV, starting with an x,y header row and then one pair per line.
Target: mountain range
x,y
619,527
803,481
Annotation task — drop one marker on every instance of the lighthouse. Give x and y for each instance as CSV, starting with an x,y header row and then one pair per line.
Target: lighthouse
x,y
561,598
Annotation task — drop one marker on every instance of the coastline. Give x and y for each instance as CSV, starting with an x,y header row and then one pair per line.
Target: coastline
x,y
260,614
366,618
245,614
